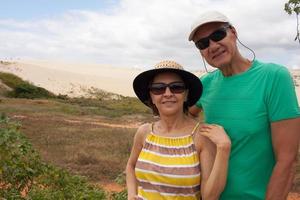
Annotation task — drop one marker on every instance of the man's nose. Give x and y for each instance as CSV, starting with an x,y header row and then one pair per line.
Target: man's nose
x,y
213,46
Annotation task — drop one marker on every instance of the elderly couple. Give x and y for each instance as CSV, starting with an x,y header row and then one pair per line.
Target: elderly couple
x,y
247,147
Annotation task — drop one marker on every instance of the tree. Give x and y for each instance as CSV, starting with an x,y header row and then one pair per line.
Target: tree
x,y
293,6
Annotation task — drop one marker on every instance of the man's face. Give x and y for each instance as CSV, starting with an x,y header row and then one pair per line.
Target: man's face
x,y
217,43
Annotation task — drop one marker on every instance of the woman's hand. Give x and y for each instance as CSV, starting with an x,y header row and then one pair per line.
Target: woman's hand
x,y
216,134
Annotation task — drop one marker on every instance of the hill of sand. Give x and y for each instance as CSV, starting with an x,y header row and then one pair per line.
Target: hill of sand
x,y
76,79
73,79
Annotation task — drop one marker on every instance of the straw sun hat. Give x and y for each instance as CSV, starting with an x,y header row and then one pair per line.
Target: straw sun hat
x,y
192,82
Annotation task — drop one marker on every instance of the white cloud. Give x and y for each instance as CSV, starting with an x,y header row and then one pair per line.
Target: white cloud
x,y
141,33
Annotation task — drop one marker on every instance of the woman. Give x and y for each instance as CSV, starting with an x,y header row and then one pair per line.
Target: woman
x,y
175,157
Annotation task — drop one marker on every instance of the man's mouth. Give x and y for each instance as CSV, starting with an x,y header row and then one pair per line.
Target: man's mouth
x,y
218,54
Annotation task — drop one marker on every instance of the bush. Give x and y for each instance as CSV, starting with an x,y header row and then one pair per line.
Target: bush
x,y
23,89
10,80
120,195
24,176
28,91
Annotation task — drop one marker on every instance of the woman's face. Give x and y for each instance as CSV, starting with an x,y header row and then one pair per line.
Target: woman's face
x,y
168,101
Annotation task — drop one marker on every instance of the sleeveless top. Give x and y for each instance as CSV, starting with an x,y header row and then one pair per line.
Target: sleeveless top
x,y
168,168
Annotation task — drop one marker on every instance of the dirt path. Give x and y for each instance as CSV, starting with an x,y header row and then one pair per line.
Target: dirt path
x,y
90,121
108,124
111,186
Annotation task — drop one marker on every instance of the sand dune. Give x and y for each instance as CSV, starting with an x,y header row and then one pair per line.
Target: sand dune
x,y
60,78
75,79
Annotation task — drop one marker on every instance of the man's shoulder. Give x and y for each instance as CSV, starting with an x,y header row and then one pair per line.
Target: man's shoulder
x,y
269,67
207,77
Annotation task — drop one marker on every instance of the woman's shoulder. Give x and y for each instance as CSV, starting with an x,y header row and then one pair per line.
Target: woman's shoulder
x,y
146,127
143,130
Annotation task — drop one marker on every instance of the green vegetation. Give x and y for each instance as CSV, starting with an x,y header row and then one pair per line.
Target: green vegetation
x,y
293,6
109,107
99,102
24,176
23,89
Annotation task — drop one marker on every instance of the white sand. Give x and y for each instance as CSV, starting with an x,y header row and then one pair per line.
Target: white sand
x,y
74,79
59,78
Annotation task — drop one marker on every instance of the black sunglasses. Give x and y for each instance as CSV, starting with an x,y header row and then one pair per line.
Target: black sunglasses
x,y
160,88
216,36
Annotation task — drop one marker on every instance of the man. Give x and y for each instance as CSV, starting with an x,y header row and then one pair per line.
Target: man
x,y
256,104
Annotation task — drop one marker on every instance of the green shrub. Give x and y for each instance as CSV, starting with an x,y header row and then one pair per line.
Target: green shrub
x,y
23,89
28,91
10,80
119,195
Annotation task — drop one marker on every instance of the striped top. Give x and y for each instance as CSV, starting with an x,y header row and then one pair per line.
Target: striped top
x,y
168,168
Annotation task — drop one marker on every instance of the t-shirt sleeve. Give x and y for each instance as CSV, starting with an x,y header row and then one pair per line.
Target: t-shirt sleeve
x,y
281,96
198,104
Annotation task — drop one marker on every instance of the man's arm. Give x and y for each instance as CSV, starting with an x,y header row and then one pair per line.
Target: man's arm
x,y
194,111
285,139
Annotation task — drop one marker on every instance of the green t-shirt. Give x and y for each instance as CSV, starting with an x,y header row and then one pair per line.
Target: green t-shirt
x,y
245,104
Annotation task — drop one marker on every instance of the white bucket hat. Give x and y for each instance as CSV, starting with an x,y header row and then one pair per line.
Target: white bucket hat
x,y
207,17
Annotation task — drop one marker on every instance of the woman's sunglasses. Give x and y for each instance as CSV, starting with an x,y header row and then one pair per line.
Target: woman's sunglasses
x,y
216,36
160,88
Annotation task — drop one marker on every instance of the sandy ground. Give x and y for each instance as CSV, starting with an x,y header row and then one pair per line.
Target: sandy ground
x,y
75,79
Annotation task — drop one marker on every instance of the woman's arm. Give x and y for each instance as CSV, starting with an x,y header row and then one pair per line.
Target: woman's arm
x,y
138,142
214,154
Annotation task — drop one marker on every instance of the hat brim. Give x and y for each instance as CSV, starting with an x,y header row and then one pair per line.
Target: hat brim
x,y
141,84
191,36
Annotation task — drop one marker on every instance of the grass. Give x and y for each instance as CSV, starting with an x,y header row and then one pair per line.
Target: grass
x,y
73,140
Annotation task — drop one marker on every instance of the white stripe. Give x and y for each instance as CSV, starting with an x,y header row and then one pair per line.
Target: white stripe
x,y
168,175
164,184
170,194
168,155
170,147
161,165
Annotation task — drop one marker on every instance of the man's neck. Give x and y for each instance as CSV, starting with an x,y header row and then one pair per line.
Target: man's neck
x,y
237,66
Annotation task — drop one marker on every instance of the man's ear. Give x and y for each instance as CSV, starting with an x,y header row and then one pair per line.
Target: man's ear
x,y
233,30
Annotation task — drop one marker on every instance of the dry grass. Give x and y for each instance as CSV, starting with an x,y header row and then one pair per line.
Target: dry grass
x,y
98,152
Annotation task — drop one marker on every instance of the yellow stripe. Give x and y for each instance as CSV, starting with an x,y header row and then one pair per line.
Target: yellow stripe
x,y
160,179
188,160
165,141
155,195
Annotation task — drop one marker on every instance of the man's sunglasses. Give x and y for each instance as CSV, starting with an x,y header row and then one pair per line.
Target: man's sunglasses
x,y
216,36
160,88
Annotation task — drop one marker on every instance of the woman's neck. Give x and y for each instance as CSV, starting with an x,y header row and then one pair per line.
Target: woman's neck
x,y
171,124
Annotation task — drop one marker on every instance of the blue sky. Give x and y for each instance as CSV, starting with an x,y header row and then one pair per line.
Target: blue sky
x,y
34,9
138,33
